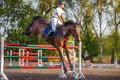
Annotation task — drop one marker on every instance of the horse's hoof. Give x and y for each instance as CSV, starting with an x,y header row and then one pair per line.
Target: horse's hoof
x,y
65,71
71,66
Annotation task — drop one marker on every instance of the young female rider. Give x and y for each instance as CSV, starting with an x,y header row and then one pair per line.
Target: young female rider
x,y
58,17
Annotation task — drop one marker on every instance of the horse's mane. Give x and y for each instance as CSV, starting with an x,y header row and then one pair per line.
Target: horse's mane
x,y
69,22
36,17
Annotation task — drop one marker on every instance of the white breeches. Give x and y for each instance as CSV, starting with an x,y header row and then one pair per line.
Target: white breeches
x,y
55,22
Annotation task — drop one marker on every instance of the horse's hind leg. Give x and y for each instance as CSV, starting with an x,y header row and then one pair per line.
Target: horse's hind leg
x,y
62,59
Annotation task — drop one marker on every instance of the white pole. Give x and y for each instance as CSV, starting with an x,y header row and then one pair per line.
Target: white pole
x,y
10,58
23,60
80,50
27,59
40,60
21,53
80,74
20,58
3,76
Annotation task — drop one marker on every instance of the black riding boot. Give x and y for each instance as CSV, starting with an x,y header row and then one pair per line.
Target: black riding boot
x,y
49,33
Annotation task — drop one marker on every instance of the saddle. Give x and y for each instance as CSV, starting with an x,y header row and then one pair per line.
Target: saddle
x,y
48,31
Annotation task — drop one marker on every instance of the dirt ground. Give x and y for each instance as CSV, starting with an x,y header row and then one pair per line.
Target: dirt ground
x,y
52,74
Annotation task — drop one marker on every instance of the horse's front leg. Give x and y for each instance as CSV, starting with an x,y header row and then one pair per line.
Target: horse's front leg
x,y
62,59
68,57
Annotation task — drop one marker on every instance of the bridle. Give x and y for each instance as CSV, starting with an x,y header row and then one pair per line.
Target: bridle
x,y
71,31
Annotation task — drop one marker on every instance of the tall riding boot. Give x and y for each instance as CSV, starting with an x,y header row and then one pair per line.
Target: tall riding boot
x,y
49,33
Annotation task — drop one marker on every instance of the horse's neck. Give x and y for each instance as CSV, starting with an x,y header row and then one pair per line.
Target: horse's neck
x,y
66,33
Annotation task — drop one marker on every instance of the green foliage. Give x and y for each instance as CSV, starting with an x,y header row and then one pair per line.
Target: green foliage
x,y
90,43
109,44
16,15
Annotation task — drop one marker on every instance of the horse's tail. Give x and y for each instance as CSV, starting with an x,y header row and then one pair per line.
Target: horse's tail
x,y
27,31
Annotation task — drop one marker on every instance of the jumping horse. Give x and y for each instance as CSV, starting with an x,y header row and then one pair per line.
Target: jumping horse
x,y
59,39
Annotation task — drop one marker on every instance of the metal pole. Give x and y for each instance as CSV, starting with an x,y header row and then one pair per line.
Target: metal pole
x,y
79,74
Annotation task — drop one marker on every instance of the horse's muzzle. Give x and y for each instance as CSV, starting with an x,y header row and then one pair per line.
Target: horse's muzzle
x,y
78,38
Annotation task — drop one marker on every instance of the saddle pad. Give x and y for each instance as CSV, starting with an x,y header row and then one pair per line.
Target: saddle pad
x,y
47,29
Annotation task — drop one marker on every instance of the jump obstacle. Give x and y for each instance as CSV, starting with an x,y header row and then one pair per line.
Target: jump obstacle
x,y
22,55
77,75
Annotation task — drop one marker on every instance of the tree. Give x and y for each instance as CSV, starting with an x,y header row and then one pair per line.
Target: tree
x,y
17,15
99,8
114,22
14,15
81,11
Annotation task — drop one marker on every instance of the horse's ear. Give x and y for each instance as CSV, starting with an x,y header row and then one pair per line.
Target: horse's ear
x,y
78,23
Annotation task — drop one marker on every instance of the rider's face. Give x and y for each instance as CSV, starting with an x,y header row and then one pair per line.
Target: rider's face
x,y
62,5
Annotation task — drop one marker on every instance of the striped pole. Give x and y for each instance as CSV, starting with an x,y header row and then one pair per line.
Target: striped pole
x,y
3,76
38,48
32,67
34,57
29,53
11,45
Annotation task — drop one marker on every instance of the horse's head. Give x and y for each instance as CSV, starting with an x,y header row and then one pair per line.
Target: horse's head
x,y
73,29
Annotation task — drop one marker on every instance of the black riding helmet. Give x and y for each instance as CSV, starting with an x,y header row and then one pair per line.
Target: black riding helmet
x,y
61,2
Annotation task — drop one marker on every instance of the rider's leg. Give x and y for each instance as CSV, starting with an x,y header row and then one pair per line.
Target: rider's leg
x,y
53,24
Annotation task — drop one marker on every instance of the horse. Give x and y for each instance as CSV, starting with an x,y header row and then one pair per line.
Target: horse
x,y
58,39
85,58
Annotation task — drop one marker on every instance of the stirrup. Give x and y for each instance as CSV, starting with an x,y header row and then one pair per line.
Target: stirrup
x,y
46,37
